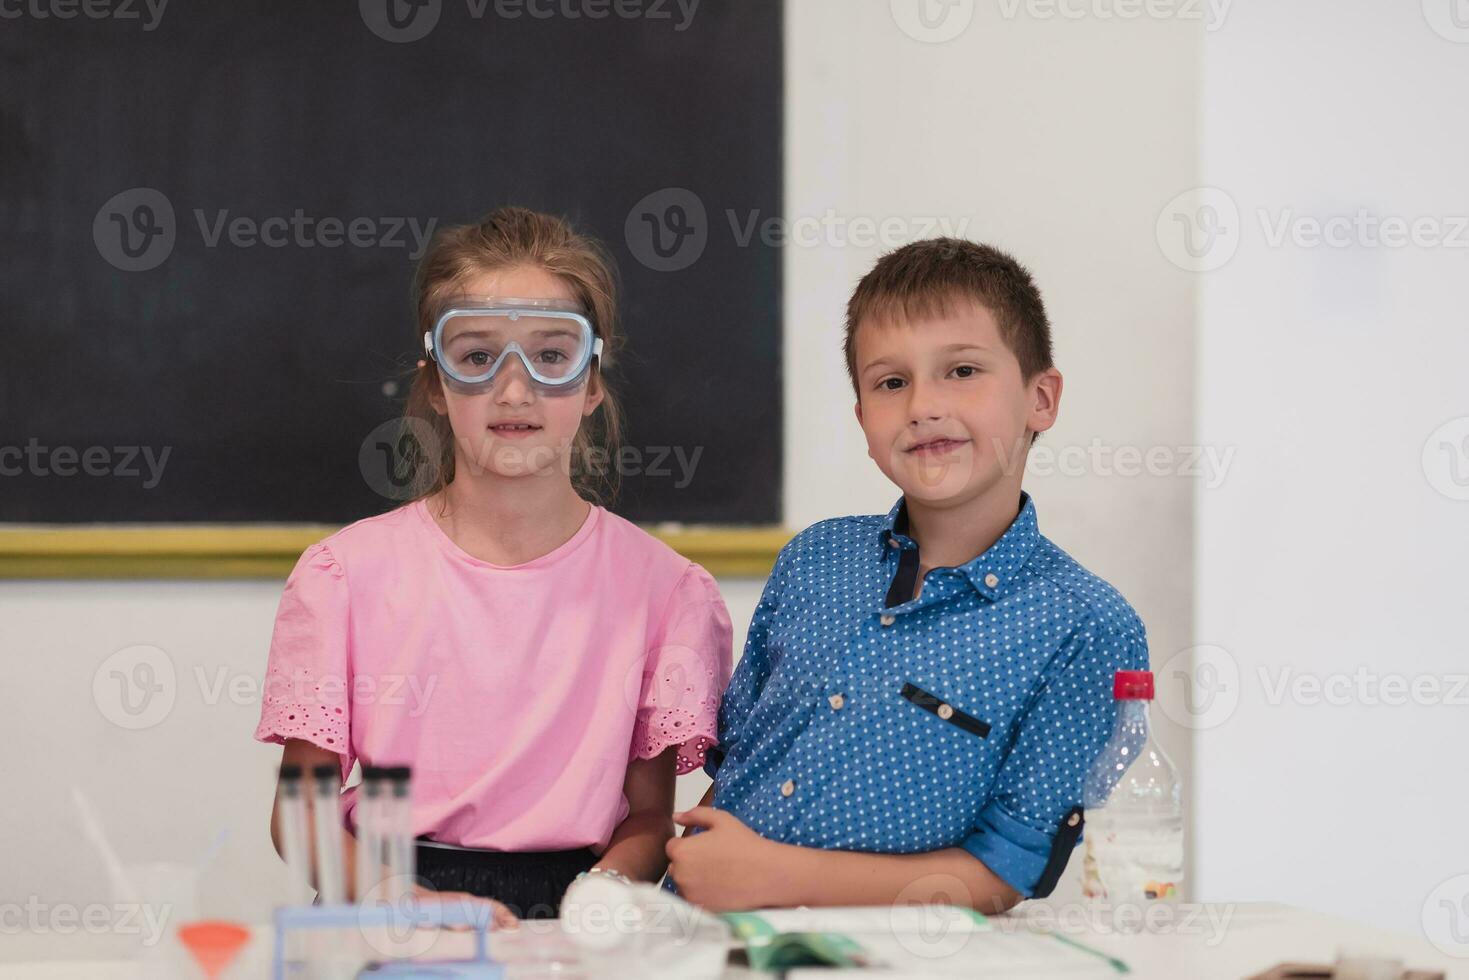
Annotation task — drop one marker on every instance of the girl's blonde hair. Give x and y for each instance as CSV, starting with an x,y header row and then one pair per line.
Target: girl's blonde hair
x,y
508,238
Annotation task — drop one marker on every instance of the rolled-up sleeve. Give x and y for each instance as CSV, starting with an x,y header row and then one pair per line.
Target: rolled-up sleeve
x,y
1032,821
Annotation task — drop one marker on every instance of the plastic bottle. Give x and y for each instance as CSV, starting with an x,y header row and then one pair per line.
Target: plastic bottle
x,y
1134,807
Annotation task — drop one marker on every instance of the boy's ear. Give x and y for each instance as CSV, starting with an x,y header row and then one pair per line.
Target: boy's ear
x,y
857,406
1045,403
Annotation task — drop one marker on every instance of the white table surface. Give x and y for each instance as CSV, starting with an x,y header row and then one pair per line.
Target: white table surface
x,y
1223,941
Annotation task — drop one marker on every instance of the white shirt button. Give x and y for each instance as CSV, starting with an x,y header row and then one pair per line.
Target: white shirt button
x,y
945,712
788,787
836,701
992,580
887,620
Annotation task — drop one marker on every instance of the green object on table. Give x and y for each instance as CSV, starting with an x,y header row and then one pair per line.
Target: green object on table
x,y
771,950
1112,961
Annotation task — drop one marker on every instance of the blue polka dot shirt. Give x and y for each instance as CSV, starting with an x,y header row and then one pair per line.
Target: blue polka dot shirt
x,y
863,719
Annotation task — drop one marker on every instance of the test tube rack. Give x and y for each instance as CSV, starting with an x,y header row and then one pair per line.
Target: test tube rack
x,y
297,918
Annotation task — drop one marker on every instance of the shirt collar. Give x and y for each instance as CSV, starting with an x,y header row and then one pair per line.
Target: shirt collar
x,y
992,571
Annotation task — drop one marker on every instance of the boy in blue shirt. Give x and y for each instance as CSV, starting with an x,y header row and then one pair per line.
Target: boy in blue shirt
x,y
921,693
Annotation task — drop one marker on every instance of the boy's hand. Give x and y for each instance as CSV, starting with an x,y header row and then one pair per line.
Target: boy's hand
x,y
727,867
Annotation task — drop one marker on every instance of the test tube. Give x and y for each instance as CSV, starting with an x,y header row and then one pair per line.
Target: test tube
x,y
291,808
402,858
327,819
370,831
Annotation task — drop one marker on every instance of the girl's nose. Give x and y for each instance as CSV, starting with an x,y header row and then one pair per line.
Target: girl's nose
x,y
514,386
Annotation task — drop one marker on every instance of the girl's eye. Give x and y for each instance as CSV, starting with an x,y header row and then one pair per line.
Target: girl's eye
x,y
553,356
478,358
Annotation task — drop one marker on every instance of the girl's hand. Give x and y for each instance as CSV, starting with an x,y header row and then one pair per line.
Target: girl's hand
x,y
726,867
503,917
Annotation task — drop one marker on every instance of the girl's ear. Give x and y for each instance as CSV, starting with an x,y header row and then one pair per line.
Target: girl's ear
x,y
436,395
595,393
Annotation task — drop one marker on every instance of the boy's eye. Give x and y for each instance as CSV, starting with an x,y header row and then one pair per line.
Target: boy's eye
x,y
890,384
966,370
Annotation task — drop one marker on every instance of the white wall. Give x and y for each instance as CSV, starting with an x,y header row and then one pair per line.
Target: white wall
x,y
1055,139
1329,549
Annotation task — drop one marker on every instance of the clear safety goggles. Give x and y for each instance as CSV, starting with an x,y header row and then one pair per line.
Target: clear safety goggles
x,y
474,336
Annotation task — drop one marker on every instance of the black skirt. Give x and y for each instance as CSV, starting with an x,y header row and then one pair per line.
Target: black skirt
x,y
530,884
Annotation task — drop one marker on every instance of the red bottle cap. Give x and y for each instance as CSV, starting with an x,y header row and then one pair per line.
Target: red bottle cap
x,y
1133,685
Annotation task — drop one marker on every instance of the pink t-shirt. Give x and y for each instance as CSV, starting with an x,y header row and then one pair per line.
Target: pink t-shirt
x,y
518,694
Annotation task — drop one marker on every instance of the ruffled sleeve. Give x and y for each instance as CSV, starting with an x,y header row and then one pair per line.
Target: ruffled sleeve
x,y
686,671
308,679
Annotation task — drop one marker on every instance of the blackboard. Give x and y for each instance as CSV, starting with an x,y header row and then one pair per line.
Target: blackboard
x,y
259,335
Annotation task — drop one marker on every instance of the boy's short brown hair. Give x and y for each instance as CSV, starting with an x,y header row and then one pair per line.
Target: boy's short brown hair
x,y
926,278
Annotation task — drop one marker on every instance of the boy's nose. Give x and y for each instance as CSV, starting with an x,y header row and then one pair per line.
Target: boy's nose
x,y
923,404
